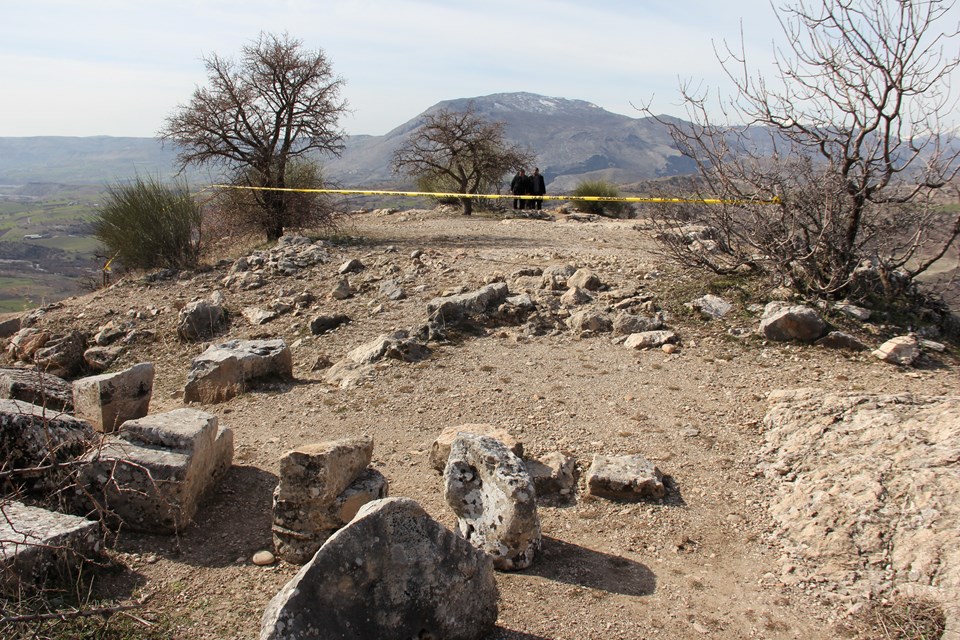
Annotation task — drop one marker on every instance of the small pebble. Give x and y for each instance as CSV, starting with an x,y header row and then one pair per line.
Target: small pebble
x,y
263,558
669,348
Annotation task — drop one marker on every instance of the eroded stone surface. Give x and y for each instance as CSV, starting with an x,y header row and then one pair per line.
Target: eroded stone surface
x,y
39,546
783,322
228,369
36,387
151,475
489,489
393,572
625,478
108,400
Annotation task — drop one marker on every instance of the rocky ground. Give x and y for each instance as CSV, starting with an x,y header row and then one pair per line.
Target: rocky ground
x,y
716,559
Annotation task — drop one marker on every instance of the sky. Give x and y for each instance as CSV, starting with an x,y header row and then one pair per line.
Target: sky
x,y
120,67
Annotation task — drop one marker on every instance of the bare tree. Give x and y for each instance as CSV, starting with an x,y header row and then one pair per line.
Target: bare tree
x,y
848,142
461,150
278,104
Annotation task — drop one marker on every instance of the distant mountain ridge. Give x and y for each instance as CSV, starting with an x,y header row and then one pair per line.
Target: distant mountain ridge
x,y
572,139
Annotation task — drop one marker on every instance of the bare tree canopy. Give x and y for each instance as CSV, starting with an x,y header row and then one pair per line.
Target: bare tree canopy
x,y
461,150
278,103
849,137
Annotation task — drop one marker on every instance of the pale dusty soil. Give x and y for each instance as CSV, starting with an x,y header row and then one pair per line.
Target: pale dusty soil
x,y
703,564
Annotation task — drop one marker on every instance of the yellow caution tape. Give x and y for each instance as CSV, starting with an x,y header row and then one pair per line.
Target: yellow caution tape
x,y
494,196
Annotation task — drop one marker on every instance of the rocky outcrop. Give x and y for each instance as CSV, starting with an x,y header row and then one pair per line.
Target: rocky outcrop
x,y
867,488
462,306
418,580
494,499
230,368
151,475
110,399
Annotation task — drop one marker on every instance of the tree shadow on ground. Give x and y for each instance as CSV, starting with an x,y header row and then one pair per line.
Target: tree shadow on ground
x,y
233,521
573,564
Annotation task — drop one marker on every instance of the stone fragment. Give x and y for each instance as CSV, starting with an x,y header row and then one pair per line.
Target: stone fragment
x,y
257,316
574,297
62,355
554,475
9,325
200,320
783,323
841,340
440,449
327,322
263,558
392,290
902,350
301,527
99,359
853,311
108,400
584,279
36,387
712,306
418,580
351,266
650,339
397,345
230,368
26,342
625,478
494,499
32,437
588,320
465,305
322,471
341,290
625,323
40,547
151,475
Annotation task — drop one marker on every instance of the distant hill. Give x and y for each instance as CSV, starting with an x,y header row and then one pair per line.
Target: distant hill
x,y
573,140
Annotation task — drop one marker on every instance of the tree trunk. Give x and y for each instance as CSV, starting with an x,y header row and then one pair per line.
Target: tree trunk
x,y
467,206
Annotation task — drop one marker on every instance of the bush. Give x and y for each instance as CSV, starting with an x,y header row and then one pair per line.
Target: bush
x,y
149,225
600,189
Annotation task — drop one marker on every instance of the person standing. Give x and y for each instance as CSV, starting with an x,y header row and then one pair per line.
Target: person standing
x,y
517,186
538,188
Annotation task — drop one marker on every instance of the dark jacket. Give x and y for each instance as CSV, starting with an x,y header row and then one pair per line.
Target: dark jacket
x,y
521,185
538,187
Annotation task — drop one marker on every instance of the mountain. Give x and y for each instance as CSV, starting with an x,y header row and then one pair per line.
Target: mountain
x,y
572,140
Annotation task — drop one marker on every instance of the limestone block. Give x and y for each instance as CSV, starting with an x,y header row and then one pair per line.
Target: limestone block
x,y
494,499
710,305
228,369
152,474
62,355
300,528
108,400
584,279
200,319
418,580
39,546
575,296
32,437
36,387
625,324
440,450
588,320
322,471
625,478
